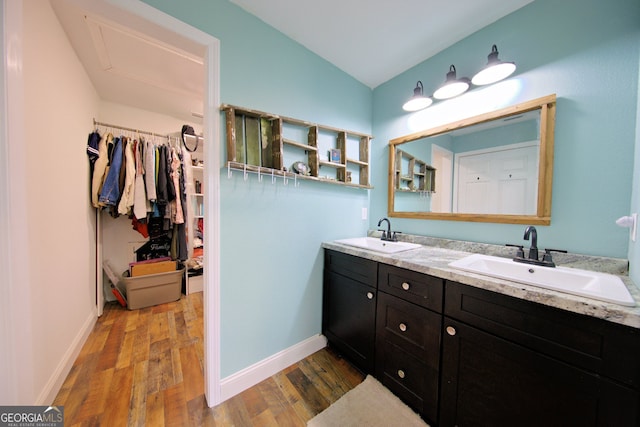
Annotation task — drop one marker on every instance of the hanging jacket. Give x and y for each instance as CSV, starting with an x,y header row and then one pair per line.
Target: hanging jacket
x,y
110,192
127,198
141,204
150,171
175,178
162,197
93,141
171,190
99,168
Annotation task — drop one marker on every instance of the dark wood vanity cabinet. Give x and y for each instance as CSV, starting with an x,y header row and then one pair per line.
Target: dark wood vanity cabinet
x,y
349,307
509,362
408,330
465,356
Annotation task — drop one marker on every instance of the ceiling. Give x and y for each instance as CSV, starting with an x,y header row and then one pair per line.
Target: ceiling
x,y
133,62
373,41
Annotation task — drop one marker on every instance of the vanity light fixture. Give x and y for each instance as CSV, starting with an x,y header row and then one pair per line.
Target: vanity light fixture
x,y
452,86
418,101
495,70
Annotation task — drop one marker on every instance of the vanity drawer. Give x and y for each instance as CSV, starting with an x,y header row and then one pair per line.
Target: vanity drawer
x,y
594,344
361,269
418,288
410,379
415,329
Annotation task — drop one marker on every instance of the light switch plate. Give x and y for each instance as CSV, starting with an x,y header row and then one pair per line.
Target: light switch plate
x,y
364,213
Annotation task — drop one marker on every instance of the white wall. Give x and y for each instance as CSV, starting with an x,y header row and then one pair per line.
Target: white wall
x,y
53,281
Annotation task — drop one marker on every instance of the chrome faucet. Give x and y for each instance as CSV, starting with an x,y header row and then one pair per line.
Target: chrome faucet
x,y
386,235
533,250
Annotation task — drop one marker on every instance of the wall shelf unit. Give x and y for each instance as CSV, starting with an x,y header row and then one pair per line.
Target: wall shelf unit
x,y
413,175
269,144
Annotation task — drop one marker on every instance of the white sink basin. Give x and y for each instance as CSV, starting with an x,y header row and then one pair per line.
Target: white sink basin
x,y
375,244
600,286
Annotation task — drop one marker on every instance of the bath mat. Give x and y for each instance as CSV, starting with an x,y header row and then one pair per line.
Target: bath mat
x,y
369,404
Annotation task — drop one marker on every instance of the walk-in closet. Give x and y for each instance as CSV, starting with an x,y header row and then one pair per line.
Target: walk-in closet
x,y
147,189
142,88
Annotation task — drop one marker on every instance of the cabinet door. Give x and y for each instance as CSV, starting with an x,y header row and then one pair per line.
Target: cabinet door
x,y
488,381
349,318
356,268
586,342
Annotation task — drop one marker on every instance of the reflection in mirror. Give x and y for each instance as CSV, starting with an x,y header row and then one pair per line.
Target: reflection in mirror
x,y
496,167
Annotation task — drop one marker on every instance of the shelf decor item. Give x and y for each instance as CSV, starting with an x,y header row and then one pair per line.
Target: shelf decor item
x,y
334,155
301,168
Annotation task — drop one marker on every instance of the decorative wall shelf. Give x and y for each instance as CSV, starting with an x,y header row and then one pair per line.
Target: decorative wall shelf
x,y
268,144
413,175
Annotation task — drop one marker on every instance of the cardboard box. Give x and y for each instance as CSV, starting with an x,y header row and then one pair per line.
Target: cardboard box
x,y
145,267
153,289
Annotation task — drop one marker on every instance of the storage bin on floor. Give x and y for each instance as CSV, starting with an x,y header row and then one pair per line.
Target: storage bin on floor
x,y
153,289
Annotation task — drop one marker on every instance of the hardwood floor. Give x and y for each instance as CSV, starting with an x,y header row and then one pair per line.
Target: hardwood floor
x,y
145,368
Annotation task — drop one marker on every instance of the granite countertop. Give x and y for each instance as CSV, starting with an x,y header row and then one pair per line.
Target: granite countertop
x,y
434,256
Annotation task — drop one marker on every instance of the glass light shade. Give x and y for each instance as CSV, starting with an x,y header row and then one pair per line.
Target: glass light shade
x,y
494,73
452,86
495,70
450,90
417,103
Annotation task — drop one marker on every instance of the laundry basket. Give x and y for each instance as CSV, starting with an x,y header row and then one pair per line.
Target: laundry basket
x,y
153,289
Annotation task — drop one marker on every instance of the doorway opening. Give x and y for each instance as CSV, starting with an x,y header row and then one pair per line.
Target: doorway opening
x,y
147,24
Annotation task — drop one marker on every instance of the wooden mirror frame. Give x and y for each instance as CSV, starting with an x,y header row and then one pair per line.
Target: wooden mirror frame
x,y
547,107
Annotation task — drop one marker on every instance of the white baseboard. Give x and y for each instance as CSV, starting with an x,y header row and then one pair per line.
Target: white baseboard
x,y
252,375
50,390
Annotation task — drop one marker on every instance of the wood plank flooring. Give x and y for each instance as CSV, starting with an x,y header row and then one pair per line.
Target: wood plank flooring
x,y
145,368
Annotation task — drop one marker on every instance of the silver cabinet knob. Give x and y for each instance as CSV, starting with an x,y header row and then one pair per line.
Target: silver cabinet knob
x,y
400,373
370,295
403,327
451,330
406,286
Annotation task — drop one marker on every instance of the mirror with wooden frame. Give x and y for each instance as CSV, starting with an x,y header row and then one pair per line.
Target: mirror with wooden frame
x,y
494,167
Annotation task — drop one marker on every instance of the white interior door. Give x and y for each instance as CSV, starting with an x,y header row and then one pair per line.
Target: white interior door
x,y
503,180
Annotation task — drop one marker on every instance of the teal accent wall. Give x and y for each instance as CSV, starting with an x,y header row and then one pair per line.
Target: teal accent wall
x,y
586,52
271,234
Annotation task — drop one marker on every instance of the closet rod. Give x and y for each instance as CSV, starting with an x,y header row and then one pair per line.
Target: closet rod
x,y
97,123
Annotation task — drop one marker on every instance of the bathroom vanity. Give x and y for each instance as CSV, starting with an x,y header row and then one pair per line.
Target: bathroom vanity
x,y
464,349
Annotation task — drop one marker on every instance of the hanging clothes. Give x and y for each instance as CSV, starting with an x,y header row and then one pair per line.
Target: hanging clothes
x,y
175,178
145,181
123,169
141,204
99,168
93,142
171,190
127,198
162,196
110,192
150,171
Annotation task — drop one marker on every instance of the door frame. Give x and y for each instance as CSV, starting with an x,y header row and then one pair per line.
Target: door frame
x,y
444,176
